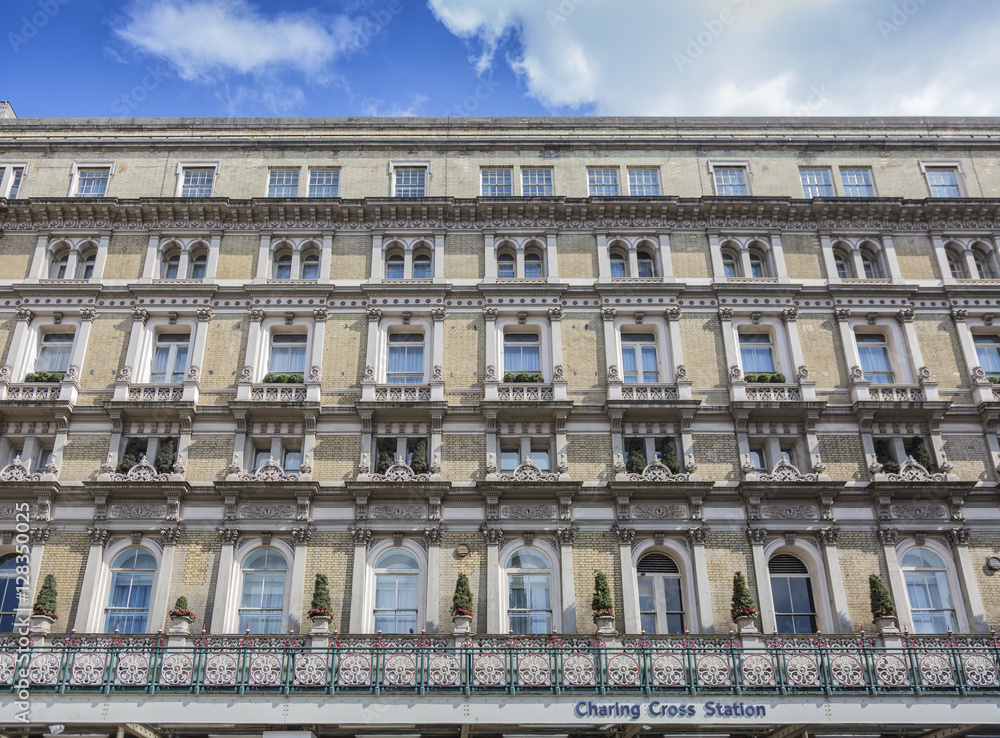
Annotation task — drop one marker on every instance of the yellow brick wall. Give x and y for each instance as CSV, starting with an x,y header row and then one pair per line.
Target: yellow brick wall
x,y
970,456
717,456
330,553
65,558
195,575
336,457
126,252
584,363
577,256
464,256
690,255
464,349
941,350
860,554
106,349
473,566
17,249
983,545
225,350
208,456
822,352
727,552
345,343
594,552
844,457
84,454
463,456
704,359
915,254
803,256
238,257
352,256
589,456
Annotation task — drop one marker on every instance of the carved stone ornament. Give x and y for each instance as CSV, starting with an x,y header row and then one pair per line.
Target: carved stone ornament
x,y
269,471
842,314
789,315
608,313
959,314
528,512
88,313
658,511
919,512
735,373
369,374
193,373
493,536
905,315
246,376
803,373
528,472
124,375
361,535
5,374
170,536
613,375
437,375
228,536
624,535
256,315
888,536
959,536
979,376
141,472
140,315
788,512
99,536
397,512
757,536
400,472
682,373
557,373
725,313
24,314
490,313
785,471
320,314
911,471
16,471
258,511
204,315
313,373
924,375
139,511
857,374
658,472
374,314
491,373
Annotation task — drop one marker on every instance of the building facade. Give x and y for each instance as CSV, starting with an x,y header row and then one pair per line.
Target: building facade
x,y
240,353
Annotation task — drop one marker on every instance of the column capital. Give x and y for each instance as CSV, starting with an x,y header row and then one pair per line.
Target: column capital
x,y
301,536
88,314
697,536
829,536
566,536
438,314
99,536
555,313
725,313
959,536
757,536
140,315
493,536
256,315
361,536
888,536
608,313
625,536
170,536
320,314
490,313
205,315
229,536
374,315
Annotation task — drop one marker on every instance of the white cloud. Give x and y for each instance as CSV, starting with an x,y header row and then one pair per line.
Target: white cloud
x,y
205,40
748,57
377,108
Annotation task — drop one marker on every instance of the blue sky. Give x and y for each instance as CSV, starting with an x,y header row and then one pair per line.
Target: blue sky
x,y
125,58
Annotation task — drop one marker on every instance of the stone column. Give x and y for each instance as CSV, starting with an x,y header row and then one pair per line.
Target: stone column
x,y
942,258
161,604
835,580
432,604
300,538
223,607
714,250
378,258
826,245
438,257
758,537
891,263
40,260
437,362
611,356
88,607
359,579
630,584
125,375
490,256
778,257
326,258
493,369
702,584
959,539
568,579
666,260
264,257
255,316
493,538
603,258
551,257
214,246
371,356
558,372
897,586
313,374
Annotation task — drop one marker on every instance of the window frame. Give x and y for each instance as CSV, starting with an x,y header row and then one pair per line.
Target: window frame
x,y
806,552
632,186
951,572
7,177
406,330
372,573
235,601
994,344
485,188
548,551
102,590
808,186
113,573
527,172
74,178
272,185
592,185
641,354
162,330
689,594
277,332
317,170
9,591
714,168
184,166
846,186
813,614
955,166
397,166
46,330
887,344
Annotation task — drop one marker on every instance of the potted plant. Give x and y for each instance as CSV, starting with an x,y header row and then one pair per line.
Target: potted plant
x,y
282,378
44,376
601,604
180,617
320,611
43,614
530,377
883,607
744,611
461,605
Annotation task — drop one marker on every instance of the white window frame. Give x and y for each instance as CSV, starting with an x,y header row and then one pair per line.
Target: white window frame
x,y
900,369
74,175
552,179
617,183
809,555
408,248
743,164
154,327
185,165
231,614
676,551
310,184
102,588
817,168
520,247
533,324
660,328
186,249
272,170
843,185
483,184
7,169
953,164
394,324
772,326
951,570
555,583
394,165
33,350
368,600
651,168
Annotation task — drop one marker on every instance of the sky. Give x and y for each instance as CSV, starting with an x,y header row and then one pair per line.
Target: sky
x,y
177,58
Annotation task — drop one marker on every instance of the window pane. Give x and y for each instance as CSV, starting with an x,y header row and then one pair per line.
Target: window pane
x,y
644,182
816,182
536,182
729,266
421,267
943,182
324,182
730,181
197,183
672,595
411,182
857,182
497,183
617,267
92,182
506,266
647,602
283,183
603,182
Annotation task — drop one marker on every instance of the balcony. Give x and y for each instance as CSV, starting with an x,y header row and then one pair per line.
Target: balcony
x,y
515,392
896,393
773,393
403,393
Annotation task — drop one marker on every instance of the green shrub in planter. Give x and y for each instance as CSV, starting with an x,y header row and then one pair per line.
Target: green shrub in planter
x,y
668,455
131,456
884,457
601,602
993,380
44,377
164,462
743,604
881,600
419,461
535,377
386,455
321,605
45,600
461,603
272,378
636,460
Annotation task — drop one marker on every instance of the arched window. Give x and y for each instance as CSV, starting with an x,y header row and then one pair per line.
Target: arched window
x,y
263,593
506,266
955,264
639,362
984,264
60,261
394,264
8,593
647,264
843,264
85,269
661,605
171,263
529,592
927,589
532,265
872,267
791,588
406,358
758,265
198,266
283,266
131,589
618,268
521,352
422,266
730,265
396,574
310,265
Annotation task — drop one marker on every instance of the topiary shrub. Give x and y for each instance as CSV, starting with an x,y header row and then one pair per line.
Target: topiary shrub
x,y
180,609
165,458
635,460
274,378
921,454
881,600
743,604
133,450
385,455
884,457
461,603
43,377
668,454
45,600
419,461
601,602
321,605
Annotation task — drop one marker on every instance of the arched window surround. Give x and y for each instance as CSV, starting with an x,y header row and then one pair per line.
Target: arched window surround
x,y
742,249
395,324
811,556
297,249
954,585
368,600
185,250
231,614
532,324
550,552
855,250
771,326
157,598
408,249
682,557
519,248
629,249
659,327
72,252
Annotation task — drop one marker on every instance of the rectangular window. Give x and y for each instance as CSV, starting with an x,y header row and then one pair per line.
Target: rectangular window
x,y
644,182
497,183
292,460
756,353
54,354
857,182
536,182
540,457
261,455
988,353
395,602
283,183
14,183
529,605
197,182
873,350
731,182
170,357
816,182
324,182
521,352
639,358
288,353
406,358
92,182
603,182
943,181
411,182
510,458
758,459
